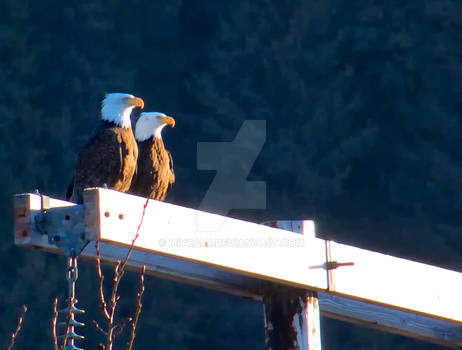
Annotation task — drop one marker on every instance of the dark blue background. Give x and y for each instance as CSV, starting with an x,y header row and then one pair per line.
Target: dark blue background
x,y
362,103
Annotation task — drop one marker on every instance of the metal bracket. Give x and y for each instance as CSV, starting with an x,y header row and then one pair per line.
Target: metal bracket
x,y
64,227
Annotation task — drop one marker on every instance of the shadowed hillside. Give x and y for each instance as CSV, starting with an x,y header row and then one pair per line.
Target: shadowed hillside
x,y
364,135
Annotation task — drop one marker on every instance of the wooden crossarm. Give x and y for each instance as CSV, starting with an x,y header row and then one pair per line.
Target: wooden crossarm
x,y
243,258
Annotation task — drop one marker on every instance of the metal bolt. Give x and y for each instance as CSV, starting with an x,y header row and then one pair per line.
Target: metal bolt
x,y
332,265
106,214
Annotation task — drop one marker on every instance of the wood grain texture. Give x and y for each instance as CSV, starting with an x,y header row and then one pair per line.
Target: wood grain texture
x,y
311,314
389,320
292,320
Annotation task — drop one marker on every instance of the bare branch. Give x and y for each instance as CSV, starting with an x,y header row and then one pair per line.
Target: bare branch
x,y
97,326
119,328
139,305
18,327
101,279
113,304
122,267
53,324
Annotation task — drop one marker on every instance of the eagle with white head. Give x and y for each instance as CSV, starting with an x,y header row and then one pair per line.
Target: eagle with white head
x,y
154,176
109,157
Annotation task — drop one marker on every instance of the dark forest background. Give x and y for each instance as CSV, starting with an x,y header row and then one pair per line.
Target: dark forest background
x,y
364,133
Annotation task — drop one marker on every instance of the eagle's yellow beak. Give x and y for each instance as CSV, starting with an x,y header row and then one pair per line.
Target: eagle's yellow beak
x,y
169,120
136,102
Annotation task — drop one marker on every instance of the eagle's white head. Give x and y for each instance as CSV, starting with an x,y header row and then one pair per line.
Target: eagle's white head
x,y
151,124
117,107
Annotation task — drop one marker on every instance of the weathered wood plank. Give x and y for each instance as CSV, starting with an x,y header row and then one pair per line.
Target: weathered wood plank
x,y
313,320
180,270
254,250
396,282
292,316
292,320
389,320
26,206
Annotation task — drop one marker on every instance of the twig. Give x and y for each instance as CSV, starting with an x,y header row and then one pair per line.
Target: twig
x,y
113,301
118,329
101,279
53,324
18,327
139,305
122,267
97,326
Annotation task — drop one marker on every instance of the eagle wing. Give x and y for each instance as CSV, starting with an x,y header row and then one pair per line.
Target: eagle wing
x,y
171,179
101,162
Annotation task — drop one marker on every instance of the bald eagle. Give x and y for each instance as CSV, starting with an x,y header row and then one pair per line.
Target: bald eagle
x,y
109,157
154,176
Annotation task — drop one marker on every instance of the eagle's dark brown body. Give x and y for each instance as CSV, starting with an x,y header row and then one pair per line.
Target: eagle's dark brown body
x,y
109,158
154,176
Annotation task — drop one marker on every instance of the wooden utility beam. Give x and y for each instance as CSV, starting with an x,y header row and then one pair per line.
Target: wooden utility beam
x,y
243,258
